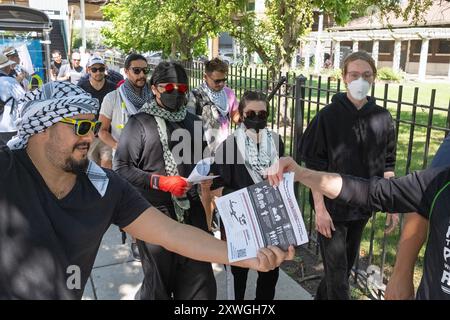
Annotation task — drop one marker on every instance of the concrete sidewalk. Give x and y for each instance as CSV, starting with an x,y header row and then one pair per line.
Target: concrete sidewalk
x,y
116,276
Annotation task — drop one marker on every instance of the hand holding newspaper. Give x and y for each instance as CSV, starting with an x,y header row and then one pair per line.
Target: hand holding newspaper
x,y
201,171
261,215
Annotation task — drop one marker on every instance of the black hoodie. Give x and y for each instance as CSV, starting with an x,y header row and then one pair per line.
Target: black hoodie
x,y
345,140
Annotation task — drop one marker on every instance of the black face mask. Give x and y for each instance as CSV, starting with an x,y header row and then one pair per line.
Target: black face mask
x,y
173,101
255,123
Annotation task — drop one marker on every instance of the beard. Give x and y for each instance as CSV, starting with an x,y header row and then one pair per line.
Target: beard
x,y
76,166
139,83
67,163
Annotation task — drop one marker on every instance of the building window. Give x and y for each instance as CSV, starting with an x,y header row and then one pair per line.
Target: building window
x,y
251,6
443,47
365,46
416,47
386,48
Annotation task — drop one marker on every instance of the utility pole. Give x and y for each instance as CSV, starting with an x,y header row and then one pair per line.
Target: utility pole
x,y
318,59
83,27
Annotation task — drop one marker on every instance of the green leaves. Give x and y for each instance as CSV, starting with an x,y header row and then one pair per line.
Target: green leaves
x,y
178,27
181,27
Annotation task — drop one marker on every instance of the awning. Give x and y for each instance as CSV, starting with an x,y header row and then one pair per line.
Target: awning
x,y
18,18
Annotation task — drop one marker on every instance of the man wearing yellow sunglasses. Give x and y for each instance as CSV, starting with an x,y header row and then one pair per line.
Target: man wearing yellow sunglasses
x,y
55,204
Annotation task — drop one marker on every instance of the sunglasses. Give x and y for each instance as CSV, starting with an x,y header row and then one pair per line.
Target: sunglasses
x,y
169,87
82,127
253,114
137,70
101,69
219,81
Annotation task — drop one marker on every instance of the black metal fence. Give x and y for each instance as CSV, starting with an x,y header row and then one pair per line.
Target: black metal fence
x,y
421,126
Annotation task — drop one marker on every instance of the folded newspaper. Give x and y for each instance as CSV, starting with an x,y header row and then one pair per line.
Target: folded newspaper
x,y
261,215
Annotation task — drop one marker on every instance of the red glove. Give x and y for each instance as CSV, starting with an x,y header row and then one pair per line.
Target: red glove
x,y
176,185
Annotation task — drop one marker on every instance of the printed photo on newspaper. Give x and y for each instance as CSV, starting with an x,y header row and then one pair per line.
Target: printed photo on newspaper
x,y
261,215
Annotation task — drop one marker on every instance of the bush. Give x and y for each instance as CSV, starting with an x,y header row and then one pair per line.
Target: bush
x,y
389,74
335,74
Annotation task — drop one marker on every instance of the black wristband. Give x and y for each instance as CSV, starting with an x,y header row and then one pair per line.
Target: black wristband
x,y
154,182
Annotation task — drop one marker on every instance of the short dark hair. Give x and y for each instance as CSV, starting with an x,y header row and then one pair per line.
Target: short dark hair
x,y
216,64
167,71
132,57
56,51
251,96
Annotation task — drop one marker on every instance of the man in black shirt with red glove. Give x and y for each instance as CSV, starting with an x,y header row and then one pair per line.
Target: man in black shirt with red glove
x,y
426,192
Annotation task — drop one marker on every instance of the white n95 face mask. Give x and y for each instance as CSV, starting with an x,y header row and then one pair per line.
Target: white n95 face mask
x,y
358,89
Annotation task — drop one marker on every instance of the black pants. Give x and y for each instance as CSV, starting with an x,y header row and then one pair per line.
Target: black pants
x,y
338,255
168,275
265,285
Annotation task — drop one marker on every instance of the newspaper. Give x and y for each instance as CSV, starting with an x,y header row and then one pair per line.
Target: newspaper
x,y
261,215
201,171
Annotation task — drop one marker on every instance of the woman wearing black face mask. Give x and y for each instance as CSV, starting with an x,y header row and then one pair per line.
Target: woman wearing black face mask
x,y
158,166
240,161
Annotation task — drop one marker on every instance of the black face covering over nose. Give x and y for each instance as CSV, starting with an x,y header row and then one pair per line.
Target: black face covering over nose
x,y
173,101
255,123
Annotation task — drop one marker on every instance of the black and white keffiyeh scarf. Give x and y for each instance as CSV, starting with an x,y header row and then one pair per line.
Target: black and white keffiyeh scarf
x,y
214,112
256,161
153,109
45,106
130,96
181,204
218,98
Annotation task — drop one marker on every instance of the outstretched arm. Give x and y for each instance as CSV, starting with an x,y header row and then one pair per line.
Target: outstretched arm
x,y
328,184
411,193
154,227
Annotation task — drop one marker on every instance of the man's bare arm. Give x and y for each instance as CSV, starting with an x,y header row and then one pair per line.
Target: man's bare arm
x,y
154,227
401,286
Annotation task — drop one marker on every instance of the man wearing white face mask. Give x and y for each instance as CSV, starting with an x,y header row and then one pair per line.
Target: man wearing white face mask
x,y
352,135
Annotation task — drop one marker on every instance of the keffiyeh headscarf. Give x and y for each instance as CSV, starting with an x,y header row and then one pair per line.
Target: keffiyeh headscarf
x,y
43,107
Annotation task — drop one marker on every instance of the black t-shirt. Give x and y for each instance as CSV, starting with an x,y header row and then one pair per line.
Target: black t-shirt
x,y
426,192
345,140
99,94
43,239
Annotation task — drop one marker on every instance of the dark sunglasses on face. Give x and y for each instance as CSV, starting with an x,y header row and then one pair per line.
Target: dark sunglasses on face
x,y
260,114
219,81
137,70
101,69
82,127
169,87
